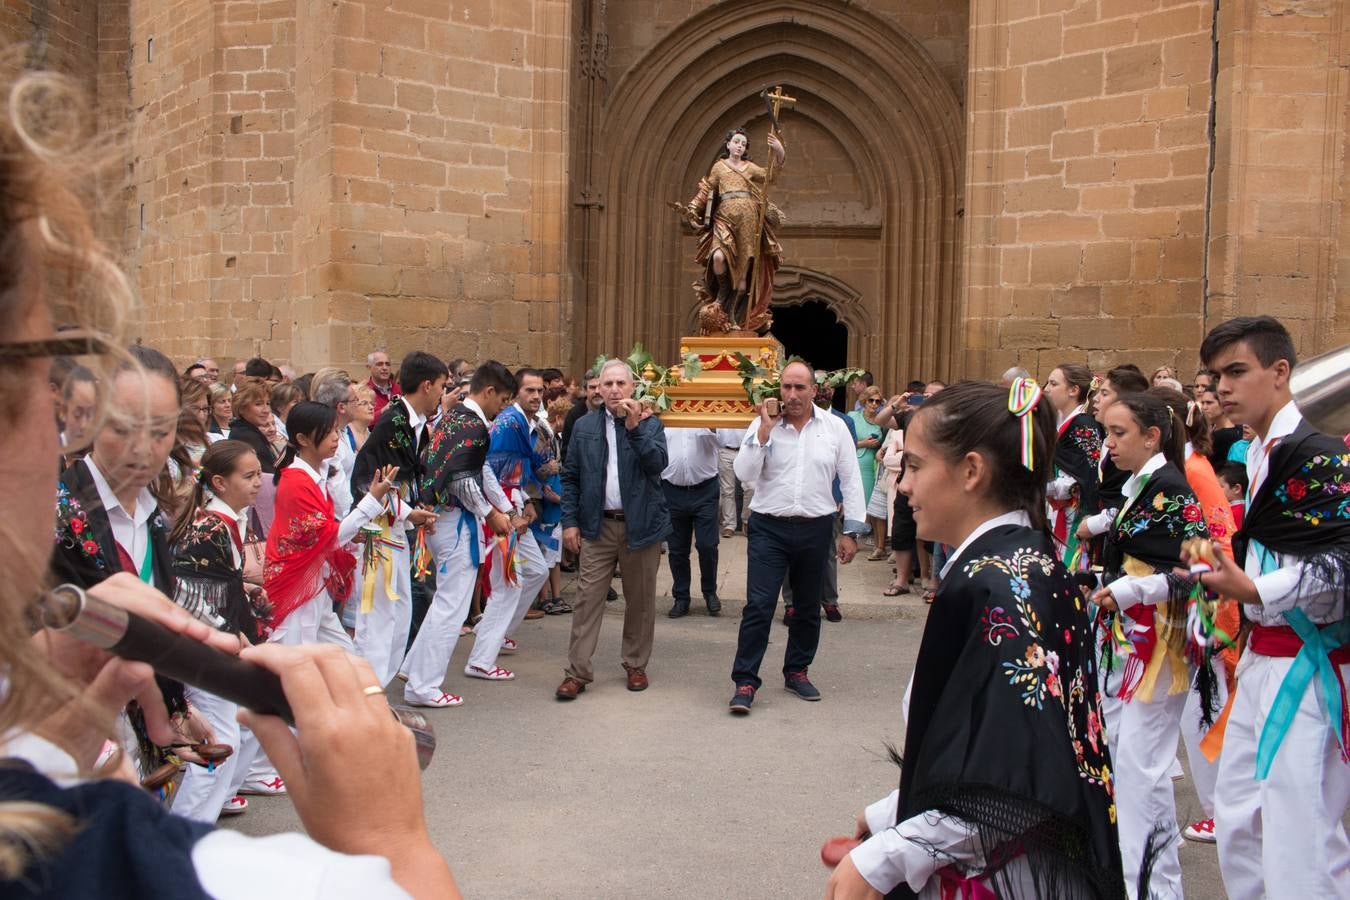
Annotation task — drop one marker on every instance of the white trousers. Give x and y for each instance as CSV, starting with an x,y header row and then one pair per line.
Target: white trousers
x,y
1143,753
382,633
424,666
1282,837
313,622
1204,774
508,603
203,793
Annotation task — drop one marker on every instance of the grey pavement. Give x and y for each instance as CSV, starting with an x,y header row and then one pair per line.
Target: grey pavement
x,y
663,793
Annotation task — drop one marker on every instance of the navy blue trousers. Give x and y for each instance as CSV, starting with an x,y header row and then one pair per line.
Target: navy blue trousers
x,y
693,514
782,549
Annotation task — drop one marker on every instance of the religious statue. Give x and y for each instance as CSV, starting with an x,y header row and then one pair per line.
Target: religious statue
x,y
738,247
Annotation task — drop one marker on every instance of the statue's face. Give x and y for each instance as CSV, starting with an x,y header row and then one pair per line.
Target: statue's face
x,y
736,146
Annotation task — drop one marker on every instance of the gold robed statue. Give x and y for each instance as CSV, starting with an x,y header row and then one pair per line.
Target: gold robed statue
x,y
738,246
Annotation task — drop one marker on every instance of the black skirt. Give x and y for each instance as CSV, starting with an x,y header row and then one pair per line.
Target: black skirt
x,y
903,530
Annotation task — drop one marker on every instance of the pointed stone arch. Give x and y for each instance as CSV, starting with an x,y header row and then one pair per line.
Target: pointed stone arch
x,y
853,73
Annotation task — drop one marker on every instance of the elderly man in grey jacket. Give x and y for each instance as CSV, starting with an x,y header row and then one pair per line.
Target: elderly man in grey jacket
x,y
614,510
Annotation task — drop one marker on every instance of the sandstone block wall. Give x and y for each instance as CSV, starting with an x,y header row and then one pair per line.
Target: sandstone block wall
x,y
1087,191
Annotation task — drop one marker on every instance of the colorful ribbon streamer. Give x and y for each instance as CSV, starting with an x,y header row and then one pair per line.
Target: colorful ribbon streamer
x,y
1023,395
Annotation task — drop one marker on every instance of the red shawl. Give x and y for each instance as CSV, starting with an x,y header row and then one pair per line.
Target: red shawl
x,y
303,556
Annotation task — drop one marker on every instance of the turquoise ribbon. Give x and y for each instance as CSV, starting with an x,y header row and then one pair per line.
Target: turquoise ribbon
x,y
466,527
1314,658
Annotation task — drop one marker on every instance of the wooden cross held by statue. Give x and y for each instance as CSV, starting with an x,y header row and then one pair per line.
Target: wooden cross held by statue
x,y
774,101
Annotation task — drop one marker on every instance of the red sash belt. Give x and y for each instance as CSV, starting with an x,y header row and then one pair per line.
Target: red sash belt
x,y
1282,642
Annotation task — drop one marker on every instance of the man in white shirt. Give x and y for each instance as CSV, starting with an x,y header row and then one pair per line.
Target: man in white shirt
x,y
1278,814
691,488
792,460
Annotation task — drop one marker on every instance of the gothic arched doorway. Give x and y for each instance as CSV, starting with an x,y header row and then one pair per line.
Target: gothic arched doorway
x,y
812,331
872,191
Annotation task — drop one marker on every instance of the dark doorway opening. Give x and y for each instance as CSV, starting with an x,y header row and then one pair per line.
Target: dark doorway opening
x,y
812,331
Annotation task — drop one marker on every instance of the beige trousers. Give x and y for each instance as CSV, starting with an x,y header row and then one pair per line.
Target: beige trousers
x,y
595,571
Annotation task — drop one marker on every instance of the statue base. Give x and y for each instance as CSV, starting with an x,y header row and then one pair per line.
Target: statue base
x,y
715,398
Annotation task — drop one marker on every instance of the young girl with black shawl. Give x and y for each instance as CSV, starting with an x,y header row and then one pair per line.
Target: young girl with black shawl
x,y
1005,784
1143,547
208,562
1072,492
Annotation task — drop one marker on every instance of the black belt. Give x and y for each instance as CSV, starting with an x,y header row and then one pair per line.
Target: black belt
x,y
796,520
692,487
613,514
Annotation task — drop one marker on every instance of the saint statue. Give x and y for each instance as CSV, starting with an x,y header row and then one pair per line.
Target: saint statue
x,y
737,244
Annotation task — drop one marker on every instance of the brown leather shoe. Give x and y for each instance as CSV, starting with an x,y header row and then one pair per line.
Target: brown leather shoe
x,y
637,678
569,689
534,613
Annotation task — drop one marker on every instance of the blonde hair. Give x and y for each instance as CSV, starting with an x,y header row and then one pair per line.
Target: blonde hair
x,y
49,173
249,394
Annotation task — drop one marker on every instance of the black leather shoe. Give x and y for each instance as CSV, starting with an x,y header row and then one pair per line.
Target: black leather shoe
x,y
714,605
611,596
680,609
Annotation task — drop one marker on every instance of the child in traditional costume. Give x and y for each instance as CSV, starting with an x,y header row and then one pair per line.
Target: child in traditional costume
x,y
1214,677
1284,775
208,562
1142,549
1006,783
109,521
308,560
462,489
389,550
1072,491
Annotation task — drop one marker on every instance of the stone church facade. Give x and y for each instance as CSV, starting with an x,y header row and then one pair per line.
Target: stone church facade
x,y
970,184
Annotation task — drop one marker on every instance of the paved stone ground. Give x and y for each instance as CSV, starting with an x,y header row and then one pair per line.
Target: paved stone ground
x,y
663,793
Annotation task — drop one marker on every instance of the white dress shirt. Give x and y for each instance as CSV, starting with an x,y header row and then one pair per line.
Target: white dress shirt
x,y
730,437
692,455
794,471
1278,577
1131,589
416,420
129,529
613,497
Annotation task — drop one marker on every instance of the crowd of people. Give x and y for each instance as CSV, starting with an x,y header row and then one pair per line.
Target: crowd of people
x,y
1114,563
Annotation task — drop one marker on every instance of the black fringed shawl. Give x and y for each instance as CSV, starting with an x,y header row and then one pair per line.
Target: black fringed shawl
x,y
1165,513
1077,453
204,561
392,442
1005,729
1303,508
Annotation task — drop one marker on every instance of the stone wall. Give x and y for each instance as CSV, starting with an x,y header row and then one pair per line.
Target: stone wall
x,y
1087,182
1281,236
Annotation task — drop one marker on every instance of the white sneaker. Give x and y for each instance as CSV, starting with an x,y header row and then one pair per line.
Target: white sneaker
x,y
496,673
509,645
234,806
440,702
1202,832
266,788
